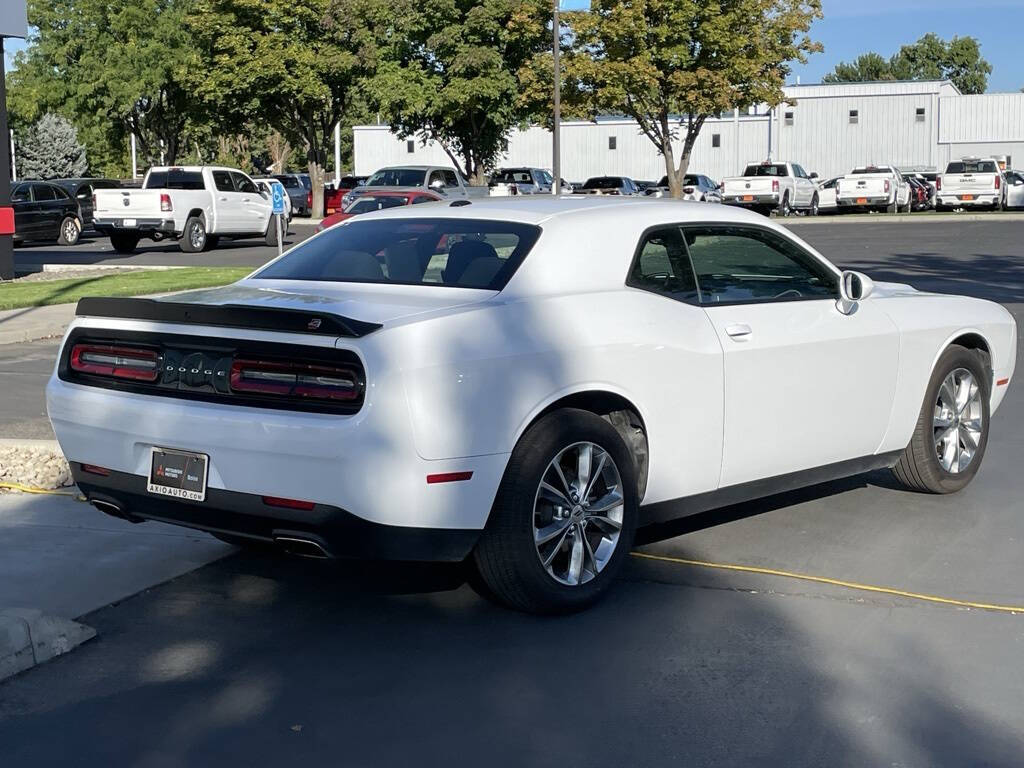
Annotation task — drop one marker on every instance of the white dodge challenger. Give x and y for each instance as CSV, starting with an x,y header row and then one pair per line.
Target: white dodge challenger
x,y
522,383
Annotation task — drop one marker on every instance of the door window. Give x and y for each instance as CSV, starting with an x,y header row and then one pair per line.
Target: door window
x,y
244,184
451,179
43,192
20,194
222,181
661,266
749,264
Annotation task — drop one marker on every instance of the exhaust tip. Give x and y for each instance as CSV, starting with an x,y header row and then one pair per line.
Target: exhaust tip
x,y
294,545
115,510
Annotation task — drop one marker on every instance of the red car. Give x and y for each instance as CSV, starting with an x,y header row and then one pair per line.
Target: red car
x,y
376,201
332,197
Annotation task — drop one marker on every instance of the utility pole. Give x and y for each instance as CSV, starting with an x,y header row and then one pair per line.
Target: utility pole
x,y
556,152
6,211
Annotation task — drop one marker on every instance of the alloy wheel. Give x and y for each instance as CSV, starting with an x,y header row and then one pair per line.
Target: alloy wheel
x,y
578,513
196,236
958,421
71,230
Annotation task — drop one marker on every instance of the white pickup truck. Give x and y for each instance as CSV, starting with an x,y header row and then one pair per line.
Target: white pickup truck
x,y
969,183
196,205
874,188
445,182
768,186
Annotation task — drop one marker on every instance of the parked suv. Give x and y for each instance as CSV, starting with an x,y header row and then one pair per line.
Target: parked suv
x,y
44,211
298,191
81,190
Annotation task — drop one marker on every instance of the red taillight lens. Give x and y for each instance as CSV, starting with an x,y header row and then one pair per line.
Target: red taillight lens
x,y
276,501
998,181
938,183
309,199
316,382
165,202
775,185
513,189
887,186
116,362
92,469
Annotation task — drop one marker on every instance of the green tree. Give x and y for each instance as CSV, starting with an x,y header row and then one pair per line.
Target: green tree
x,y
672,64
114,67
289,65
450,72
51,150
930,58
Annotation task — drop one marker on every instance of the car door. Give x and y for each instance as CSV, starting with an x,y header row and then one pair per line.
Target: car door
x,y
26,213
804,187
256,209
227,203
805,385
49,209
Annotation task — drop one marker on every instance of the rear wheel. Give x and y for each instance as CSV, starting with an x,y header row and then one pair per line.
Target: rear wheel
x,y
814,209
891,207
270,237
124,242
784,207
564,517
69,232
952,429
193,239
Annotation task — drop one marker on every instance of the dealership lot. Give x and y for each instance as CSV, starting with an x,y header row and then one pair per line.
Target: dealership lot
x,y
260,658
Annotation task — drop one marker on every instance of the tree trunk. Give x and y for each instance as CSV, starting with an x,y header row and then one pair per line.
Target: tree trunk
x,y
317,163
674,187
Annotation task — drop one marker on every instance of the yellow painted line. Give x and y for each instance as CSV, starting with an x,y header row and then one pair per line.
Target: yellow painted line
x,y
833,582
46,491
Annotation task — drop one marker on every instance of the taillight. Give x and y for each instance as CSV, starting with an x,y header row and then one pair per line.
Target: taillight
x,y
276,501
775,185
315,382
94,201
513,189
116,362
309,199
888,186
997,181
938,183
165,202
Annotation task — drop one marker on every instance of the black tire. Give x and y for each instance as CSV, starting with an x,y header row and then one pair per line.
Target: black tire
x,y
506,557
784,207
124,242
70,231
765,210
919,468
193,238
892,207
813,210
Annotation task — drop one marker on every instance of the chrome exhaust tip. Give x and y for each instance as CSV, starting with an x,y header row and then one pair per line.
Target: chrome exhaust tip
x,y
294,545
107,506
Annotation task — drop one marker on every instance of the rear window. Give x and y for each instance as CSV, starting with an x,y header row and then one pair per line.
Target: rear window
x,y
980,166
397,177
174,179
368,203
603,182
766,170
872,169
512,176
461,253
290,182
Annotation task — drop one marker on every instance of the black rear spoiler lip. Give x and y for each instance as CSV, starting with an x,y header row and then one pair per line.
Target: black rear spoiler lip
x,y
276,319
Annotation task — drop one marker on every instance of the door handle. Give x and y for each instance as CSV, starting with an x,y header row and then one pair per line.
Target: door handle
x,y
738,331
223,199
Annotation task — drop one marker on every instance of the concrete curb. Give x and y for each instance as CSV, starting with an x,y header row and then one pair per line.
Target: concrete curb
x,y
17,442
58,268
29,637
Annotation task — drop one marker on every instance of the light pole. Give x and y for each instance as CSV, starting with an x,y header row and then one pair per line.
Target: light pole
x,y
556,162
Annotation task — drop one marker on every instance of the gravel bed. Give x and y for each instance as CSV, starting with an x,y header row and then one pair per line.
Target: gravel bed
x,y
34,467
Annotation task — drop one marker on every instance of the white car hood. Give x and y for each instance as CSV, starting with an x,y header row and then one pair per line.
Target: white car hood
x,y
891,290
372,303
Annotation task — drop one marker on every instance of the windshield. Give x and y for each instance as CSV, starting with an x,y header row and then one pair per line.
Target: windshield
x,y
976,166
397,177
603,182
456,252
766,170
368,203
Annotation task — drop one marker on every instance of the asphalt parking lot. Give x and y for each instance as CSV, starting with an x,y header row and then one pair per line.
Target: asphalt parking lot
x,y
259,660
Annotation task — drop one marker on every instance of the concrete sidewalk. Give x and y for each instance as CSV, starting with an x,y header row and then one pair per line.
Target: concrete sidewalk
x,y
31,323
60,559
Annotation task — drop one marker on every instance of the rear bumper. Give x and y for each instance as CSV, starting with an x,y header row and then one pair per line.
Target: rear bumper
x,y
757,200
869,202
335,531
957,201
107,225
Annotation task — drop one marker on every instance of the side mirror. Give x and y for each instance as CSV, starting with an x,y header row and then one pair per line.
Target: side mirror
x,y
854,287
814,175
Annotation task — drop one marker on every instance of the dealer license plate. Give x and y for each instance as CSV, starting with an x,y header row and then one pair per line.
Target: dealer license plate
x,y
129,223
748,198
180,474
966,197
862,201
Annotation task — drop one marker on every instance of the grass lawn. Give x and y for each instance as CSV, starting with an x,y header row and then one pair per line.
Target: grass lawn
x,y
37,293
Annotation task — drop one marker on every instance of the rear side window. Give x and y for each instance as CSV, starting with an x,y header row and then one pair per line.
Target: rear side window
x,y
662,266
175,178
222,180
20,194
746,264
43,192
461,253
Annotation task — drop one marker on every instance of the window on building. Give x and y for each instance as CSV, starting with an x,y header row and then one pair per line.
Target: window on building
x,y
789,118
716,140
612,142
920,114
410,146
854,116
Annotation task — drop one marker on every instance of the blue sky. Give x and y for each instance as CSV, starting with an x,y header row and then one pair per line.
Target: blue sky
x,y
851,27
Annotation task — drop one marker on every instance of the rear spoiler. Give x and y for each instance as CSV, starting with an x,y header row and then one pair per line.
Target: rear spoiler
x,y
226,316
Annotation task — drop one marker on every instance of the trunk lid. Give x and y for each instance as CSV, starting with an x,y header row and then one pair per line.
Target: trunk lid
x,y
754,185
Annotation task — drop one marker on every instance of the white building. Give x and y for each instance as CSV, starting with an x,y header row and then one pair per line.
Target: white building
x,y
828,129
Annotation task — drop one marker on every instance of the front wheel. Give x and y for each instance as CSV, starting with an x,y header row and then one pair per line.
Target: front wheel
x,y
563,521
815,206
69,232
952,429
